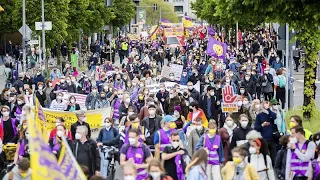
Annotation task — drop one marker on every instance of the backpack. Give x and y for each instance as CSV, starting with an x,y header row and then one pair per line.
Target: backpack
x,y
265,163
282,82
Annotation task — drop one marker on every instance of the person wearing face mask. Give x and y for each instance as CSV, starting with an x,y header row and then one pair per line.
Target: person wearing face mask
x,y
85,150
156,171
58,104
277,64
133,124
118,82
194,94
22,150
40,94
38,78
129,171
55,141
226,134
91,98
266,84
152,123
102,101
140,101
184,78
21,171
70,86
238,169
173,156
313,169
73,105
162,94
265,124
18,84
144,112
123,108
84,85
281,158
260,159
249,85
108,136
59,121
213,144
296,120
9,126
28,98
17,109
81,121
208,103
194,133
239,133
196,112
180,119
161,137
242,109
280,120
125,121
300,155
173,100
137,153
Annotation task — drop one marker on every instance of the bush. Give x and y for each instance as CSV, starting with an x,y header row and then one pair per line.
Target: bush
x,y
312,125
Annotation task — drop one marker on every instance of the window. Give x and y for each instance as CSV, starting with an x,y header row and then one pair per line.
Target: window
x,y
172,40
178,9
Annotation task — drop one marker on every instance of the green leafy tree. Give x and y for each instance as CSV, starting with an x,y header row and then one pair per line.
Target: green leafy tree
x,y
124,11
302,15
77,19
9,18
98,16
153,17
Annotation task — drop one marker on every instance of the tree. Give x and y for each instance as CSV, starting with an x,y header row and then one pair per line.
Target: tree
x,y
124,11
9,18
98,16
153,17
301,15
77,19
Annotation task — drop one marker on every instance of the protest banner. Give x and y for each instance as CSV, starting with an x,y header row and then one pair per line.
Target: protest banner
x,y
154,88
80,99
229,104
176,69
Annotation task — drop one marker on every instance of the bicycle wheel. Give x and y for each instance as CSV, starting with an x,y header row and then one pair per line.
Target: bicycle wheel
x,y
111,173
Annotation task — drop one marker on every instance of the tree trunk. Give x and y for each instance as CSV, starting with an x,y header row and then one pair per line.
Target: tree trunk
x,y
310,77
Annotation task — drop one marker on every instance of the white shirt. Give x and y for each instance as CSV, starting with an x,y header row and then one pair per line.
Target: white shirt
x,y
257,161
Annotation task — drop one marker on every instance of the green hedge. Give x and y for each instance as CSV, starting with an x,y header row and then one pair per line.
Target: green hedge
x,y
312,125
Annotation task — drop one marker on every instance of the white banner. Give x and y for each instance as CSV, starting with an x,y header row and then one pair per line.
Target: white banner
x,y
154,88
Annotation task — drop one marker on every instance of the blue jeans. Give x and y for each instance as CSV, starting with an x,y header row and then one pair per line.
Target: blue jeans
x,y
104,164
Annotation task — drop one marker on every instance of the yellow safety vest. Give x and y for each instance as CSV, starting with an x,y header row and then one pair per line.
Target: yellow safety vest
x,y
124,46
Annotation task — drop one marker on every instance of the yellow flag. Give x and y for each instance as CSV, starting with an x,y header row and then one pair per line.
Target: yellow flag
x,y
153,32
41,119
1,8
43,162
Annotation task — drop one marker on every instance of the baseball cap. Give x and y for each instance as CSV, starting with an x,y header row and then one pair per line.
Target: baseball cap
x,y
168,118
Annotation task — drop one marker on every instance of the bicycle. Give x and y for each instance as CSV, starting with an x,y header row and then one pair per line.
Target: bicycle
x,y
110,154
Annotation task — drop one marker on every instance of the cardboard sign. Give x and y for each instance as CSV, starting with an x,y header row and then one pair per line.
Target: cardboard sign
x,y
176,69
229,104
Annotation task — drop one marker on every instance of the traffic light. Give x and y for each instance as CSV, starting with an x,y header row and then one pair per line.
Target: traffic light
x,y
155,7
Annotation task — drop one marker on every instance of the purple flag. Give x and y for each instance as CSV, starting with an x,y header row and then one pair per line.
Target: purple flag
x,y
164,20
187,18
216,49
211,31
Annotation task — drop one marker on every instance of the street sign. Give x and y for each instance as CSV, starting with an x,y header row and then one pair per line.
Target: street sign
x,y
47,25
31,42
28,31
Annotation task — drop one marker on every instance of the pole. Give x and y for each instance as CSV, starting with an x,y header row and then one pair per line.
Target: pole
x,y
110,39
40,58
79,44
287,66
43,37
24,35
237,35
290,91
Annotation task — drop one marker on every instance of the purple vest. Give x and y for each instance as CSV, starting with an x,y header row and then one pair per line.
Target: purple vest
x,y
297,166
118,85
137,155
18,112
316,169
56,145
163,139
22,148
126,139
213,157
116,109
180,172
13,123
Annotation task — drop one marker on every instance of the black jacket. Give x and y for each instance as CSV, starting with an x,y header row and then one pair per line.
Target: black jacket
x,y
195,94
280,164
94,157
204,106
239,134
145,123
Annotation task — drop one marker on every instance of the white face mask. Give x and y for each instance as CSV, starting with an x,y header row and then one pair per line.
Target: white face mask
x,y
175,145
84,119
57,124
60,133
78,136
130,113
317,142
120,96
242,91
107,125
20,102
252,150
40,87
239,103
244,124
245,102
275,107
199,127
293,140
129,178
128,100
72,101
132,141
6,113
212,94
257,106
229,123
152,112
94,91
155,175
